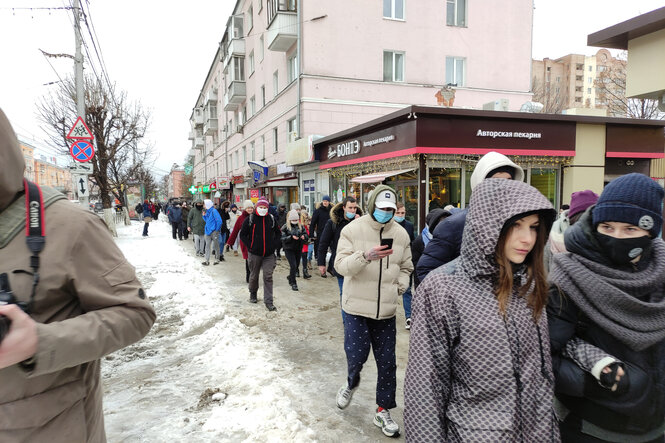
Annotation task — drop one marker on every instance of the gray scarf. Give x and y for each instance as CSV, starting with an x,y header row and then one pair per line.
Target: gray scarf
x,y
628,305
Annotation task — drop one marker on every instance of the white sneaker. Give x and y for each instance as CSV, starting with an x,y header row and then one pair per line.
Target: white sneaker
x,y
344,396
407,324
385,422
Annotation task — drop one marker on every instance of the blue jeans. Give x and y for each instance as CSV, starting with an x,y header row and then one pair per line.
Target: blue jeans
x,y
340,282
222,242
406,299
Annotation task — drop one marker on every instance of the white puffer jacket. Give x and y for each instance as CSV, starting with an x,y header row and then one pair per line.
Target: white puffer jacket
x,y
371,288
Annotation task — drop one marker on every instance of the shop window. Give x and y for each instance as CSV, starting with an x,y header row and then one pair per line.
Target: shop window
x,y
393,66
280,196
456,13
393,9
337,189
546,181
445,187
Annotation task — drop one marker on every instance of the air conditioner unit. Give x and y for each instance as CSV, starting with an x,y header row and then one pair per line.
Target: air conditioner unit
x,y
239,129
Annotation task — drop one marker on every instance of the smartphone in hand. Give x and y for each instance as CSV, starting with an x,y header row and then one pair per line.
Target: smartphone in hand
x,y
387,242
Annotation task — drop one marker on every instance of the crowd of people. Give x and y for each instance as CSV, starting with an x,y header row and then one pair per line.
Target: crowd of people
x,y
527,324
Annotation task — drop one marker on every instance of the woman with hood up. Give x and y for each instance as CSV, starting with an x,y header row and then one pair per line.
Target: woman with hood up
x,y
479,363
607,318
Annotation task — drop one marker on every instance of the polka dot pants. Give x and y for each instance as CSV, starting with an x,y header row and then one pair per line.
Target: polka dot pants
x,y
361,334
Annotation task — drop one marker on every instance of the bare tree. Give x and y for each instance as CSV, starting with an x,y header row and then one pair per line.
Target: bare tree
x,y
117,124
551,99
611,93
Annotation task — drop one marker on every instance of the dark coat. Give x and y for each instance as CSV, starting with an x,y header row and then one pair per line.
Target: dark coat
x,y
260,234
444,246
175,214
288,242
281,217
409,228
195,221
640,407
225,218
330,235
474,375
319,219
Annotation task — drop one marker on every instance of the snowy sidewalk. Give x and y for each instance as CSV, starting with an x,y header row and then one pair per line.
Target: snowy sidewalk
x,y
217,368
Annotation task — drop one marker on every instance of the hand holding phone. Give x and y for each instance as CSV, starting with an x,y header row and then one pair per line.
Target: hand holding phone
x,y
387,242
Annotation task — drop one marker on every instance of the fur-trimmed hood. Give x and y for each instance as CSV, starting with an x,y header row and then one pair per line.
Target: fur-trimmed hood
x,y
337,213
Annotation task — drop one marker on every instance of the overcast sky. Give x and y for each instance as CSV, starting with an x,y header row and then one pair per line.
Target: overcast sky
x,y
159,52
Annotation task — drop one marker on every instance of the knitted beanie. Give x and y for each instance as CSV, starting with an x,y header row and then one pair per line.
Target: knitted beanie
x,y
293,216
632,198
326,197
247,204
295,206
580,201
263,202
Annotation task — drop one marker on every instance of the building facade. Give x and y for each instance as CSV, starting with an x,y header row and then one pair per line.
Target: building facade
x,y
573,81
175,184
277,82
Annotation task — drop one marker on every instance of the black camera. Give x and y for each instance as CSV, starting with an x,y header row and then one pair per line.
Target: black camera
x,y
7,298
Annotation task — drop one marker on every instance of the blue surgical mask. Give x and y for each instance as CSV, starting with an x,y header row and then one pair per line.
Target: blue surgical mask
x,y
350,215
399,219
382,216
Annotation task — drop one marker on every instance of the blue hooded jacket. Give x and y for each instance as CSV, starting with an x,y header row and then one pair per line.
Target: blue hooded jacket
x,y
213,221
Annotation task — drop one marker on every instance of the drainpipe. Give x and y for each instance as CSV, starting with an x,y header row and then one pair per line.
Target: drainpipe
x,y
299,58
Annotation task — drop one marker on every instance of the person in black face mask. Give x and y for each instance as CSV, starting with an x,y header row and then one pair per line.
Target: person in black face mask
x,y
606,317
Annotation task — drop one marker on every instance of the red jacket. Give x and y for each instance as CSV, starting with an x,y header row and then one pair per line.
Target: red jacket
x,y
236,231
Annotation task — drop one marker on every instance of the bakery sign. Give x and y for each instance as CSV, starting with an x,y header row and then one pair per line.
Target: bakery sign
x,y
354,146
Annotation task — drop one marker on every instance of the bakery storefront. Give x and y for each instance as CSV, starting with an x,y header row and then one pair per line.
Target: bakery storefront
x,y
428,154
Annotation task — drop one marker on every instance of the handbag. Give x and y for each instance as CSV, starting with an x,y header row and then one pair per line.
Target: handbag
x,y
147,219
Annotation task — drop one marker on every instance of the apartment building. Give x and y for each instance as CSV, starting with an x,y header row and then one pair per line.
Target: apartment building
x,y
29,158
288,72
572,81
176,179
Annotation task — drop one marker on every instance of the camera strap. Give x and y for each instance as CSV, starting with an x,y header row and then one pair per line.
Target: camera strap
x,y
34,229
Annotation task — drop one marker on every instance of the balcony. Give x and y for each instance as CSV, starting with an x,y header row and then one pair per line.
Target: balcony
x,y
199,142
197,117
191,135
210,127
235,95
282,31
236,47
211,96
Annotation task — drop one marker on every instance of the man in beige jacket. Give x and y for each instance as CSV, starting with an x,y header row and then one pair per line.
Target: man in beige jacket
x,y
87,303
374,256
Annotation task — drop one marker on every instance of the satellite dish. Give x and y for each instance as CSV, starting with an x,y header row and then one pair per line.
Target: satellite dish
x,y
533,107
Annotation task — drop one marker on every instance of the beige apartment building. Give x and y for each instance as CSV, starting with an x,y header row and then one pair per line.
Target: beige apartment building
x,y
572,81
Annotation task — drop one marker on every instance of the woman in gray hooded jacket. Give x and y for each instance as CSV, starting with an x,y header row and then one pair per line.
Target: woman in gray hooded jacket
x,y
479,360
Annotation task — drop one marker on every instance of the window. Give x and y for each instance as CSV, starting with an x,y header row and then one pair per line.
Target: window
x,y
251,63
236,160
250,18
590,68
244,155
558,79
275,6
238,70
455,70
588,90
393,66
261,48
252,150
244,114
263,95
275,84
291,68
393,9
590,80
252,106
456,13
274,139
291,129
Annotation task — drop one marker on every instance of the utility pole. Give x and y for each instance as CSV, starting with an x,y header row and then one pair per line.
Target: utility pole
x,y
78,77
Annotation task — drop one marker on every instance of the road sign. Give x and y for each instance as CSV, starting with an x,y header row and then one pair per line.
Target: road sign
x,y
80,131
81,169
81,185
82,151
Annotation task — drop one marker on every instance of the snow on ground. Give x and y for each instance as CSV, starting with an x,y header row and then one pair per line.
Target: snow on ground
x,y
216,368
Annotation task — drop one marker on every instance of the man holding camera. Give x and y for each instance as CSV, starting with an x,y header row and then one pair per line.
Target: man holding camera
x,y
83,301
374,256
